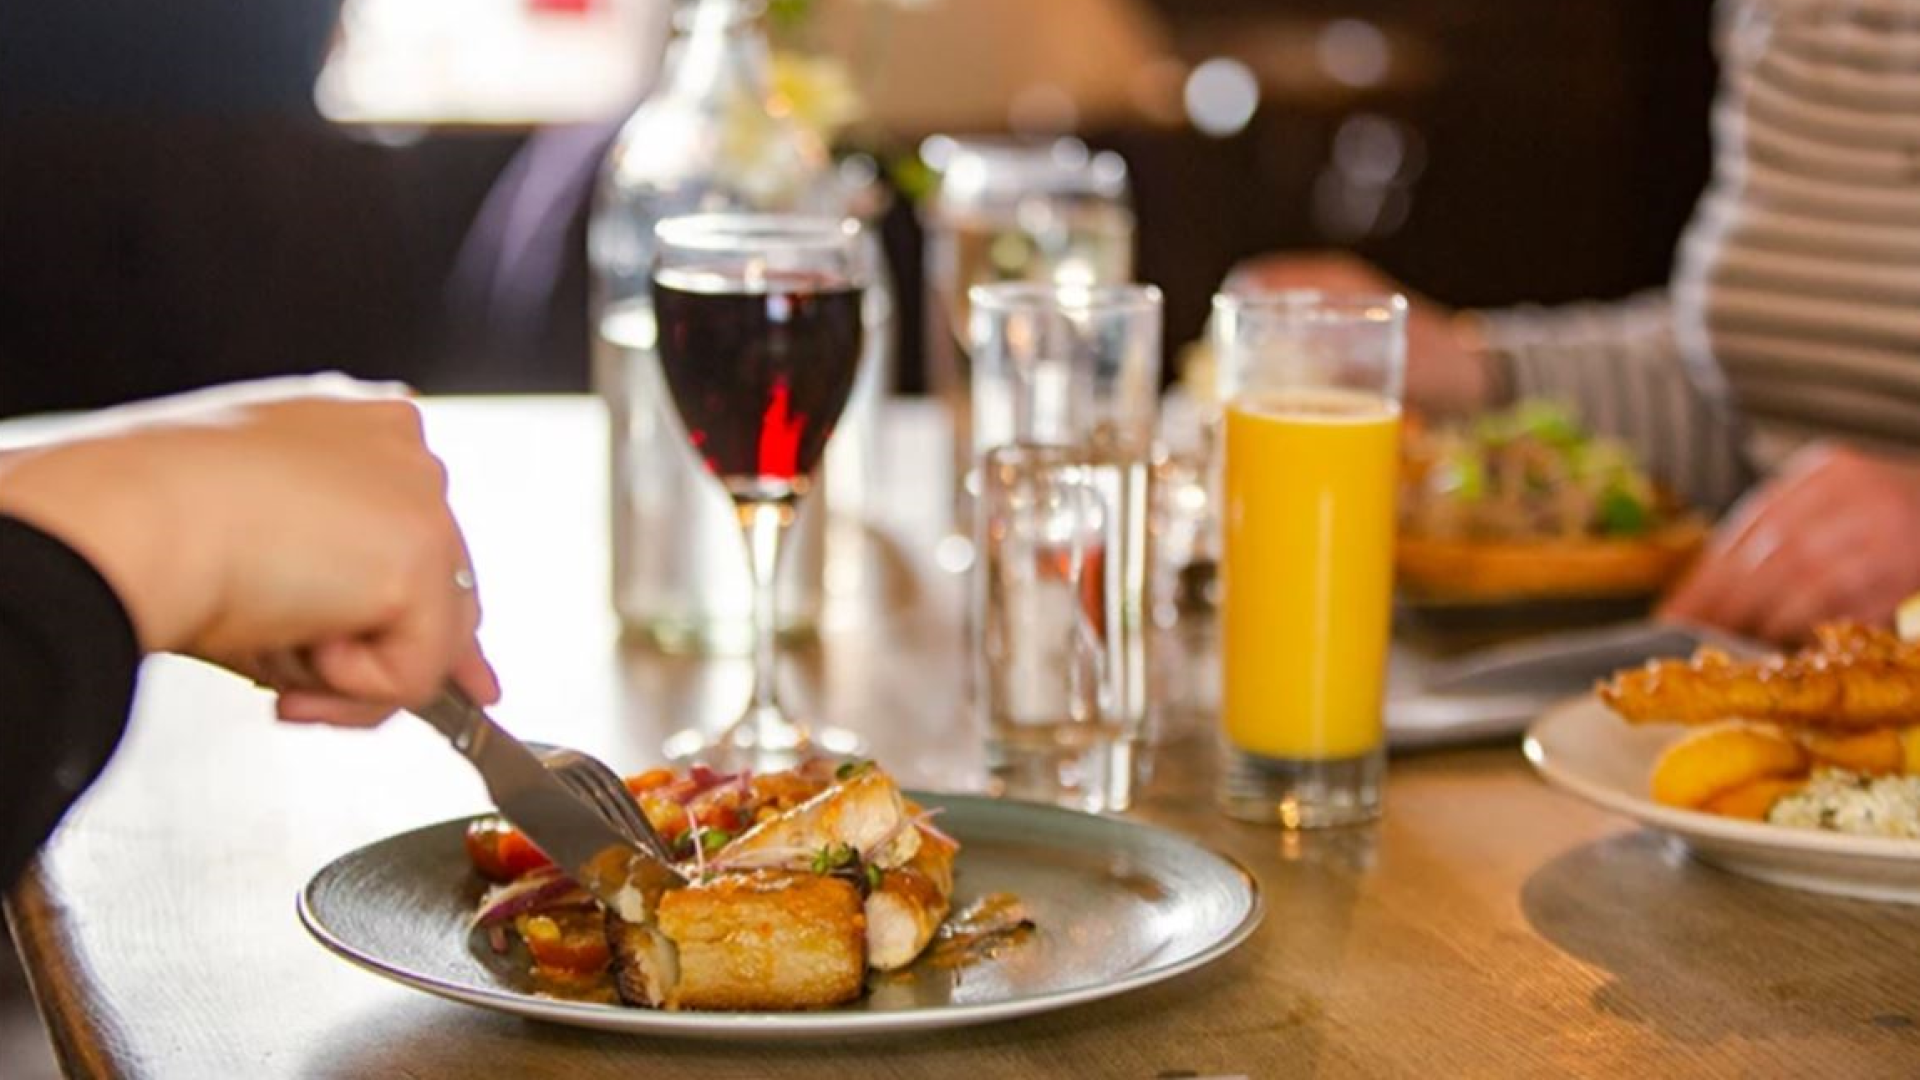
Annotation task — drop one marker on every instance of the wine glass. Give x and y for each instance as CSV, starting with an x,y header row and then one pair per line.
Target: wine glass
x,y
759,337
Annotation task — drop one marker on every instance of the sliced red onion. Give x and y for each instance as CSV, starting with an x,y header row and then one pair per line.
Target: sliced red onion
x,y
538,891
705,779
741,782
497,939
924,822
717,793
699,780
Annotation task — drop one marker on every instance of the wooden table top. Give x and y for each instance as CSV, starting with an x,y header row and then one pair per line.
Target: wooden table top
x,y
1488,926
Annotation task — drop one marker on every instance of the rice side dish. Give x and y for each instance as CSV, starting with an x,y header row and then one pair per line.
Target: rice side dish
x,y
1845,802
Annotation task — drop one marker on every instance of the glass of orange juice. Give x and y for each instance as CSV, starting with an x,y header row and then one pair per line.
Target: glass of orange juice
x,y
1311,388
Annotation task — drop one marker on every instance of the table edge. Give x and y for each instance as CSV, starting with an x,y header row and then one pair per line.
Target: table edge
x,y
83,1037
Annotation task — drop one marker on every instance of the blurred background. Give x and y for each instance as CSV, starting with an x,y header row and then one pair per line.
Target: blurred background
x,y
194,191
197,191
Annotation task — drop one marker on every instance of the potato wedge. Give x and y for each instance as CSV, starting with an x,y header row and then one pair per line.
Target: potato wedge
x,y
1753,800
1718,759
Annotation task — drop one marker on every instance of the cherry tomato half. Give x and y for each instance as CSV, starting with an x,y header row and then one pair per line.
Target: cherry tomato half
x,y
501,852
728,819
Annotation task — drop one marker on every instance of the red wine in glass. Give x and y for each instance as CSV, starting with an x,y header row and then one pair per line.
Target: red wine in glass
x,y
759,375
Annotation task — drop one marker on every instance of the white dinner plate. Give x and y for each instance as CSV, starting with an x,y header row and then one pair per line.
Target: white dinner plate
x,y
1584,748
1116,906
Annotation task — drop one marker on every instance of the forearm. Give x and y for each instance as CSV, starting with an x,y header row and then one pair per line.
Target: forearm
x,y
1619,365
68,658
116,500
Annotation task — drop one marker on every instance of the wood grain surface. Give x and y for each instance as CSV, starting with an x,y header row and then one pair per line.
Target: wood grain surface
x,y
1487,927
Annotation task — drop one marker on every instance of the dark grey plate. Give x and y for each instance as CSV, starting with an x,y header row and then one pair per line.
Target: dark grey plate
x,y
1117,906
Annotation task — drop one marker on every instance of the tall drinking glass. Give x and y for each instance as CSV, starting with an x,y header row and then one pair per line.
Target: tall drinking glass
x,y
1063,364
1065,387
1047,213
760,337
1060,635
1312,388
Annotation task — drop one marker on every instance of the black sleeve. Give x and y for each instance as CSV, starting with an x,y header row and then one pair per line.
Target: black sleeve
x,y
68,657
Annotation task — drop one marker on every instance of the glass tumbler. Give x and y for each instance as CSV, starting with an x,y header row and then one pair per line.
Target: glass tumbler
x,y
1312,388
1060,619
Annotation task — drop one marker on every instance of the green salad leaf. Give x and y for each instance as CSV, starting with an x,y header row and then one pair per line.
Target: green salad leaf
x,y
1547,422
1462,475
1622,513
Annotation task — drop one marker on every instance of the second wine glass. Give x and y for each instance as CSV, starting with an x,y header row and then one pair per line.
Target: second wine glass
x,y
759,336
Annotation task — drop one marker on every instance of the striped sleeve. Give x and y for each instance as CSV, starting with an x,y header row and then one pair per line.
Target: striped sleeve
x,y
1801,270
1620,367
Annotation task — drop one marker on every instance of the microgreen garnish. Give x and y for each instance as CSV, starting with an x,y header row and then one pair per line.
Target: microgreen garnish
x,y
833,857
701,840
873,876
850,769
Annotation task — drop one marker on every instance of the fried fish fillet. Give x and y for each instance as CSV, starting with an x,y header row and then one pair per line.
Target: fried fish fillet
x,y
1853,677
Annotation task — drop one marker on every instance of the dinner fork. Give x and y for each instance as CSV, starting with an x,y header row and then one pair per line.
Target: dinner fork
x,y
570,814
599,786
588,778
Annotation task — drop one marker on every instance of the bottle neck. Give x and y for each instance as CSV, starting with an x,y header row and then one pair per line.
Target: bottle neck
x,y
717,43
687,13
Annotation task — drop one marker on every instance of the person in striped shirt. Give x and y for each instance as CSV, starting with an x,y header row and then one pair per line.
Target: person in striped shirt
x,y
1786,346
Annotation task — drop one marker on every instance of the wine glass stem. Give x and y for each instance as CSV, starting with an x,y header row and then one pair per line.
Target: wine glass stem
x,y
765,523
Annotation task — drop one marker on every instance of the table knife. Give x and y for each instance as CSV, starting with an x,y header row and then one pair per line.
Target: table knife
x,y
572,833
1555,665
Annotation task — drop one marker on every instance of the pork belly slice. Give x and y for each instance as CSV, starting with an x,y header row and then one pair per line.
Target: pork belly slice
x,y
759,940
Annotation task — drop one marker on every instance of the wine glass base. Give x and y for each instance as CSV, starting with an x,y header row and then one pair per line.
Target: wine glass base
x,y
764,742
